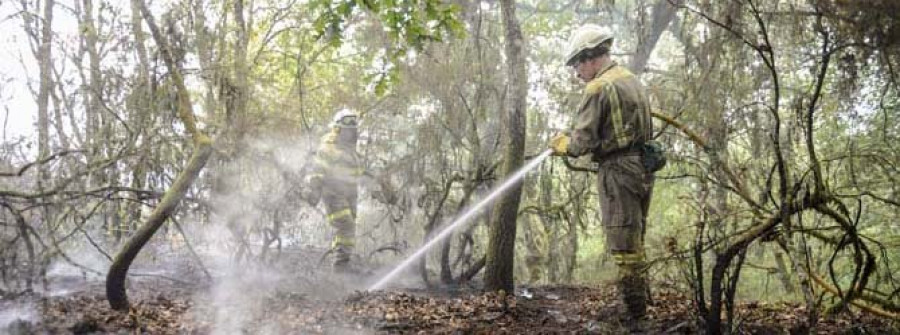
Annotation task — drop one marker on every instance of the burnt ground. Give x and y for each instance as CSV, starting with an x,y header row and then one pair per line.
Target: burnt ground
x,y
533,310
298,295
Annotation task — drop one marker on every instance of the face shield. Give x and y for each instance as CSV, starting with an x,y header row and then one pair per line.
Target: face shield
x,y
349,121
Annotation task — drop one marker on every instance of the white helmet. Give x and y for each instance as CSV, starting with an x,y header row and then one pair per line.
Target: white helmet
x,y
345,118
586,37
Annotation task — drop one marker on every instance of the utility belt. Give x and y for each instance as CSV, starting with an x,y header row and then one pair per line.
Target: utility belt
x,y
652,153
628,151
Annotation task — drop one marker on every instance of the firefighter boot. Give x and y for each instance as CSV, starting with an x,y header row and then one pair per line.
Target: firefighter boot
x,y
633,290
341,259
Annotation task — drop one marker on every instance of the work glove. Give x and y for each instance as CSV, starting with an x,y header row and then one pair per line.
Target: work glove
x,y
560,144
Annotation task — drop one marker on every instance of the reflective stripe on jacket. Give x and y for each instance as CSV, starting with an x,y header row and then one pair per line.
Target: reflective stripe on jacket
x,y
614,115
335,163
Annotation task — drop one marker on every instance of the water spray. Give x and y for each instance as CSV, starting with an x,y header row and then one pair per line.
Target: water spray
x,y
462,219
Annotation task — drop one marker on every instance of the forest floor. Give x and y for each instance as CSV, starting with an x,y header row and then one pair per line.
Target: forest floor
x,y
304,300
533,310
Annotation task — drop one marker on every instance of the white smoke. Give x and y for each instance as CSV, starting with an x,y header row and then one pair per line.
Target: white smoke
x,y
262,189
12,315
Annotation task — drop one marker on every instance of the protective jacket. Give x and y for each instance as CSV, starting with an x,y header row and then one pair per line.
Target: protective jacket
x,y
613,116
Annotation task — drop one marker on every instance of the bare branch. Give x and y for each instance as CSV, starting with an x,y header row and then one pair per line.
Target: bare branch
x,y
42,161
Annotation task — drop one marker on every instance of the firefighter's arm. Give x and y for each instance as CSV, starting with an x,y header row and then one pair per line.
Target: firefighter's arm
x,y
314,181
584,137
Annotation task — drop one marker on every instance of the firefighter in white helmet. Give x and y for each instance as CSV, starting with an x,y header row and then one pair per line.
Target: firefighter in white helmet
x,y
334,177
612,125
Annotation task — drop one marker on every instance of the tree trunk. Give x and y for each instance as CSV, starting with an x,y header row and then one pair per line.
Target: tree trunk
x,y
240,70
432,225
663,13
572,250
235,100
142,102
578,188
94,84
210,73
115,278
45,63
446,267
99,122
551,229
446,270
501,247
533,255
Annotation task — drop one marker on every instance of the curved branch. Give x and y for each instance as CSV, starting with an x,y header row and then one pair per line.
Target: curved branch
x,y
203,149
115,278
820,81
865,266
472,271
42,161
855,302
59,187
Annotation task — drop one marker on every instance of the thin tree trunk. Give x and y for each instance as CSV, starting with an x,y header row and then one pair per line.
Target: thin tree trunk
x,y
240,68
501,247
236,124
210,73
64,143
799,258
533,260
25,232
551,229
472,271
115,278
663,14
784,274
94,83
578,187
101,129
446,270
140,38
45,63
